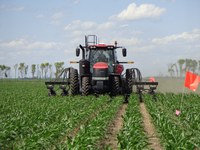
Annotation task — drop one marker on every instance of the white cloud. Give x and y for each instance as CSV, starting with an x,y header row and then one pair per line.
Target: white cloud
x,y
57,15
26,44
129,42
106,25
80,25
40,16
134,12
56,18
76,1
185,36
107,32
124,26
88,25
11,8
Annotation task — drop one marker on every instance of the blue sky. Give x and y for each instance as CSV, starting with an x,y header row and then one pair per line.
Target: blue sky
x,y
155,32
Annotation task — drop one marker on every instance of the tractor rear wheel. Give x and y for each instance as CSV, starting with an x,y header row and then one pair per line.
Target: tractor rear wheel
x,y
129,81
115,86
85,86
74,82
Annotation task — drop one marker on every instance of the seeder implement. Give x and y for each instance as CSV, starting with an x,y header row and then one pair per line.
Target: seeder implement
x,y
67,82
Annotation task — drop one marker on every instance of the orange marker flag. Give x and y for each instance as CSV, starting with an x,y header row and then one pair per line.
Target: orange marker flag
x,y
152,79
191,81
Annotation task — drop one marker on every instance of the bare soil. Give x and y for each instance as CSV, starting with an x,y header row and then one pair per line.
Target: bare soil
x,y
154,142
113,129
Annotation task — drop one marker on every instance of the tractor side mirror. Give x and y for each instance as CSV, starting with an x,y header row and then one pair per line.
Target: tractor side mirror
x,y
124,52
77,52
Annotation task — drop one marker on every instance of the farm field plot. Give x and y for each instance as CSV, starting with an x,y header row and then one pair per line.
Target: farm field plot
x,y
29,119
176,131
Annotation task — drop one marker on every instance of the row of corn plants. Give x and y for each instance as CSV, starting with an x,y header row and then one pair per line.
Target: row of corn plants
x,y
180,131
132,135
30,119
94,130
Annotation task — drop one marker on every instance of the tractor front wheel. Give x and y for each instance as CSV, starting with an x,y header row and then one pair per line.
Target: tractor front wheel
x,y
85,86
115,86
74,82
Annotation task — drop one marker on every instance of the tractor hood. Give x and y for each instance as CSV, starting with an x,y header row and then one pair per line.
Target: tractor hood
x,y
100,65
100,71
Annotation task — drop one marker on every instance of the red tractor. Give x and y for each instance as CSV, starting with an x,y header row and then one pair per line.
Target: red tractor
x,y
100,72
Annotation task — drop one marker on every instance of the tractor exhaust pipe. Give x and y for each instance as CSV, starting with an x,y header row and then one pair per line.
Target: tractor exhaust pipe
x,y
83,51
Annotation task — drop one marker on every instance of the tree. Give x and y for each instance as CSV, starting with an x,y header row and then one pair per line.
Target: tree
x,y
42,66
59,68
176,68
26,70
15,67
199,66
4,70
22,69
194,65
7,71
33,69
171,70
46,68
50,70
189,65
38,71
181,62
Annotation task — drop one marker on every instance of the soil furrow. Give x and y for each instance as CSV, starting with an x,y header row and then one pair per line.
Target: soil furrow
x,y
154,142
113,129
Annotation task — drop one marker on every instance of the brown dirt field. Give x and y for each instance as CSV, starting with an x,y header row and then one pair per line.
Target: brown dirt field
x,y
149,129
113,129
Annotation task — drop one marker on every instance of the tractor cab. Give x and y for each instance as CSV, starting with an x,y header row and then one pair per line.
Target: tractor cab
x,y
102,53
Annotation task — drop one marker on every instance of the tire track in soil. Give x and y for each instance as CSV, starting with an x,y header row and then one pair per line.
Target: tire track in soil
x,y
154,141
113,129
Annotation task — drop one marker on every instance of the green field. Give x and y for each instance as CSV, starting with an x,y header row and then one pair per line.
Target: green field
x,y
29,119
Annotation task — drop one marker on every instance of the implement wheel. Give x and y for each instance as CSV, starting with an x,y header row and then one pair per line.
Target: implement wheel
x,y
115,90
85,86
74,82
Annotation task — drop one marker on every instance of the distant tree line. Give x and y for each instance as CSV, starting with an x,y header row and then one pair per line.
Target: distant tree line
x,y
43,70
4,71
179,68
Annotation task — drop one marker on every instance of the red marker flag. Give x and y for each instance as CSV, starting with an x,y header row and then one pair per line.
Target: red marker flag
x,y
191,81
152,79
